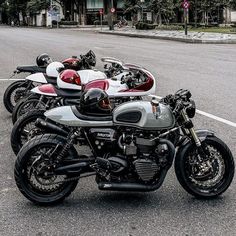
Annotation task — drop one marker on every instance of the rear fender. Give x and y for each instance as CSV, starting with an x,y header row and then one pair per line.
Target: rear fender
x,y
38,78
45,89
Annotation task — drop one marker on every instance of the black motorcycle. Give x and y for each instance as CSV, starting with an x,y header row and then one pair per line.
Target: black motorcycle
x,y
131,151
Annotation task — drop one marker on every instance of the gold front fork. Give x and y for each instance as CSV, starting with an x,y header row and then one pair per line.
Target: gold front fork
x,y
191,130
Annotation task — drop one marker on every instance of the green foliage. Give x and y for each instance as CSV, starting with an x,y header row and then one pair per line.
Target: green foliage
x,y
131,6
35,6
169,27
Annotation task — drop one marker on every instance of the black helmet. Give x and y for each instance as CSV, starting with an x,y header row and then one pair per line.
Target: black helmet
x,y
95,101
43,60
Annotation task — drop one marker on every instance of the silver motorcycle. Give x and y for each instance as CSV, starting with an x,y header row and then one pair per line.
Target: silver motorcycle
x,y
132,150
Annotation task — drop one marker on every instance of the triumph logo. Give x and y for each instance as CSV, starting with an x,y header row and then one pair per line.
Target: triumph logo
x,y
103,135
107,186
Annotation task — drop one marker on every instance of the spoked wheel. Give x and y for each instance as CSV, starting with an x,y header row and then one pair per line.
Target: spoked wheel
x,y
14,92
24,129
205,178
26,105
34,173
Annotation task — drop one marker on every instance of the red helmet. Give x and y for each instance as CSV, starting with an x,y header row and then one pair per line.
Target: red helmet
x,y
69,79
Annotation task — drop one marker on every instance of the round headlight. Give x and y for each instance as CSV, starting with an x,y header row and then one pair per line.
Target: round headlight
x,y
191,110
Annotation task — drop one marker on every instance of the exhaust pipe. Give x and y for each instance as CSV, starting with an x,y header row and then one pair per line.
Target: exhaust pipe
x,y
133,187
72,169
40,123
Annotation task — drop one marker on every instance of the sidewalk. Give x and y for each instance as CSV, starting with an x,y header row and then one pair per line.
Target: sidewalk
x,y
192,37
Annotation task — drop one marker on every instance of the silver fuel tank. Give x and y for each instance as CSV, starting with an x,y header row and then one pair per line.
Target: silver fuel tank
x,y
143,115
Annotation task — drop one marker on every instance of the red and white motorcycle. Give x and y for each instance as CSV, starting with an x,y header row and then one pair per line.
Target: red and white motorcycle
x,y
42,75
136,83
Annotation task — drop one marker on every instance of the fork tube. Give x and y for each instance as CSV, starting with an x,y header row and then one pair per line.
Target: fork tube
x,y
191,130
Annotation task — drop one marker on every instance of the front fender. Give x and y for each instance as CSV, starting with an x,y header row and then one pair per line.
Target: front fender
x,y
202,135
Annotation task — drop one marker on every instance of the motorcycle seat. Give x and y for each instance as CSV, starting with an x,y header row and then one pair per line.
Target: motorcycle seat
x,y
51,80
68,93
90,117
31,69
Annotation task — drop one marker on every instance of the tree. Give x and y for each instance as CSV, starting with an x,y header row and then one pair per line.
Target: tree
x,y
162,9
35,6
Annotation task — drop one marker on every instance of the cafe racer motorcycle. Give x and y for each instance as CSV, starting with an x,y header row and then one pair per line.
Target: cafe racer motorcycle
x,y
130,151
130,87
20,88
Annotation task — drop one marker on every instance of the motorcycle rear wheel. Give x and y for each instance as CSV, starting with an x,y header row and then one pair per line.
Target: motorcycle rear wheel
x,y
221,171
26,105
10,97
31,166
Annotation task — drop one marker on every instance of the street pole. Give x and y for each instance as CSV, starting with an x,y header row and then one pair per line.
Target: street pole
x,y
185,22
51,11
101,20
112,24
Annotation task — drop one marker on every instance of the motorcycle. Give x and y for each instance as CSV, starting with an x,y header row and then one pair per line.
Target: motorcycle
x,y
132,86
131,154
19,89
133,81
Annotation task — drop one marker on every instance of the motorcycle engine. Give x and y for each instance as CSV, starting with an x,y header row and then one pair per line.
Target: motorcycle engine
x,y
149,157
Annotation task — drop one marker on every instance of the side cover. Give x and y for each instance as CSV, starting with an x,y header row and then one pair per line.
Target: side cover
x,y
65,116
38,78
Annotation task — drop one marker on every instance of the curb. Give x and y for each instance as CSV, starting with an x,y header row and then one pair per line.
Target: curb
x,y
184,40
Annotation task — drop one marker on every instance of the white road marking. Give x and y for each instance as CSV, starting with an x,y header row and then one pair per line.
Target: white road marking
x,y
10,79
216,118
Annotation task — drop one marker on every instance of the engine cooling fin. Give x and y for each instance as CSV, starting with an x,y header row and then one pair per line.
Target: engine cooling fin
x,y
146,169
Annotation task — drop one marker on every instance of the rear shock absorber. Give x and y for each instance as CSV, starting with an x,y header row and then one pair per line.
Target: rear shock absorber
x,y
70,141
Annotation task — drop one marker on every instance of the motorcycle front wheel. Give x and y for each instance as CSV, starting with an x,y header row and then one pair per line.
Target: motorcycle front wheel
x,y
209,178
24,129
32,171
13,93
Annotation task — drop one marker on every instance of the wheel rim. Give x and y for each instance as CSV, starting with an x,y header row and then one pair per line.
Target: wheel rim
x,y
38,177
28,131
29,106
205,176
16,95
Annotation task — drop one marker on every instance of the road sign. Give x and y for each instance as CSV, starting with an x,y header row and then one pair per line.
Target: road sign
x,y
101,11
113,10
186,5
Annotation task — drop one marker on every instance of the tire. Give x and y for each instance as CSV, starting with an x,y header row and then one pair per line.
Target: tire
x,y
9,101
19,135
41,196
26,105
198,188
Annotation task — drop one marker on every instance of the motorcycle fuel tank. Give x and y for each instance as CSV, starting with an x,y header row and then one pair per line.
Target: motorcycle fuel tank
x,y
143,115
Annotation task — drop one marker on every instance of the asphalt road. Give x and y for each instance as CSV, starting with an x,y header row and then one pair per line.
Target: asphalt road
x,y
207,70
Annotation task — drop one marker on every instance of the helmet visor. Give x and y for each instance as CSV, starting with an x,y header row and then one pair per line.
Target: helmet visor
x,y
105,104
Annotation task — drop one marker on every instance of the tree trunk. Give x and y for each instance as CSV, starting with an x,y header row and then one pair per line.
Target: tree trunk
x,y
159,17
155,16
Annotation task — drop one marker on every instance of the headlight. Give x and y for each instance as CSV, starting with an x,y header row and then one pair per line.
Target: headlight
x,y
191,110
